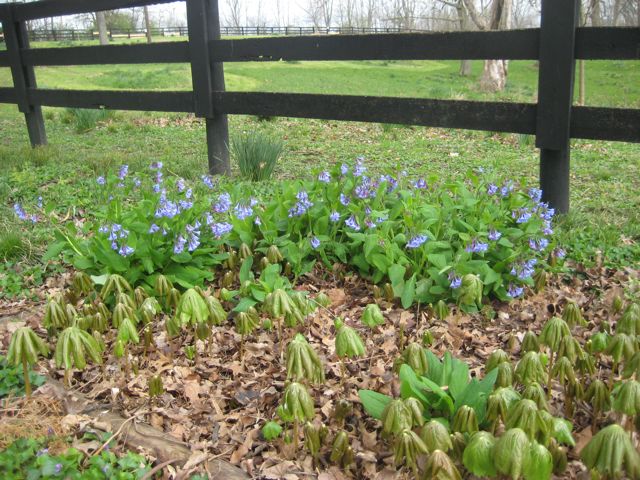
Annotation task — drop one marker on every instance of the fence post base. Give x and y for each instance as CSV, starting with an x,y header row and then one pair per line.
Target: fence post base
x,y
35,126
554,178
217,147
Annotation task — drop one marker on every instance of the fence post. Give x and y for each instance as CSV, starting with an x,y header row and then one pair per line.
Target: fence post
x,y
204,26
16,38
555,97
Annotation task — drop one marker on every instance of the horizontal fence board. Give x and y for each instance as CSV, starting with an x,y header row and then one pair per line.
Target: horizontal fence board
x,y
608,43
114,100
7,95
597,123
53,8
4,59
506,117
165,52
514,44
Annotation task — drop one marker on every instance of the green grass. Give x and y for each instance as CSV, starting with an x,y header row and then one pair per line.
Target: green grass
x,y
604,220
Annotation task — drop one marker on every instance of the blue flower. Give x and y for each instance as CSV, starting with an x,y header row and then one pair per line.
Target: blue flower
x,y
208,219
352,223
324,177
137,182
344,200
220,229
257,221
302,205
41,452
315,242
344,169
188,194
125,251
154,228
515,291
416,241
206,179
456,282
535,194
359,169
185,205
559,253
58,468
334,217
242,211
477,247
370,223
178,248
20,212
521,216
538,245
101,180
506,189
524,270
224,203
167,209
362,191
420,184
494,235
156,166
124,169
103,229
492,189
546,227
194,242
180,185
156,188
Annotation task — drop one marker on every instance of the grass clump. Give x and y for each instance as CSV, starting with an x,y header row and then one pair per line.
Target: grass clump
x,y
12,246
256,154
85,120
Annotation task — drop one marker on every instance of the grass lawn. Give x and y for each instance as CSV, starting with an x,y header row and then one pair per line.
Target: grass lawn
x,y
605,175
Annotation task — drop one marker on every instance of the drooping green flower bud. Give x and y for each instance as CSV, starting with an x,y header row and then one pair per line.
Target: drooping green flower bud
x,y
162,286
323,300
396,417
407,447
172,325
246,322
459,443
388,292
118,349
173,299
471,290
115,284
339,447
271,430
570,348
525,415
228,279
559,455
632,366
572,315
82,283
372,316
629,323
245,251
617,304
505,375
478,456
192,308
427,338
626,398
301,301
435,436
155,386
622,347
441,310
267,324
415,356
417,410
534,391
538,463
127,300
274,255
539,280
500,402
553,332
530,343
203,331
563,372
120,312
294,318
598,396
303,362
597,343
440,466
497,357
149,309
561,431
217,314
348,342
529,369
278,303
611,453
312,439
127,332
232,259
342,410
465,420
297,404
510,452
140,295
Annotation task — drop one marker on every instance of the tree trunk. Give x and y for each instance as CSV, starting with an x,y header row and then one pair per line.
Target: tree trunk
x,y
494,73
465,24
147,23
102,28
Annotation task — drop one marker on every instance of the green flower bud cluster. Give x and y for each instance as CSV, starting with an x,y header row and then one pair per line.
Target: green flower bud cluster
x,y
297,404
303,362
471,290
156,387
372,316
348,342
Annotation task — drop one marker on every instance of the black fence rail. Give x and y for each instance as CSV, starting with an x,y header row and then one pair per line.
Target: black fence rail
x,y
553,120
78,34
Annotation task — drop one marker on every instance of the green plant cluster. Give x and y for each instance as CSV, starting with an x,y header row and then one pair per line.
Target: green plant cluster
x,y
461,241
30,459
503,424
12,379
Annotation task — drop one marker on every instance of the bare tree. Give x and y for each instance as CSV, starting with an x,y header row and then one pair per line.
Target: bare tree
x,y
147,23
320,13
234,15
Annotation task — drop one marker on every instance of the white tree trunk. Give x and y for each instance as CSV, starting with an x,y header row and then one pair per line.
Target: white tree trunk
x,y
147,23
494,73
102,28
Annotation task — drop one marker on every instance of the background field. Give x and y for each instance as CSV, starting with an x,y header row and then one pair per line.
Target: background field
x,y
604,221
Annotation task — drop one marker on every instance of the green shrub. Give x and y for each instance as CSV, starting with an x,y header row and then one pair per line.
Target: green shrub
x,y
84,119
12,245
256,154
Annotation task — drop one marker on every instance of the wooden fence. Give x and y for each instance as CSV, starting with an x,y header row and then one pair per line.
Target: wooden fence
x,y
553,120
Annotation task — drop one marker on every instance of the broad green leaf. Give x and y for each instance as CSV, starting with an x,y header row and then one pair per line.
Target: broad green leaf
x,y
374,402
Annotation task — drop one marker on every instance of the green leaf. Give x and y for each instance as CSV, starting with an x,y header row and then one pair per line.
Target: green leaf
x,y
245,270
409,292
396,276
374,402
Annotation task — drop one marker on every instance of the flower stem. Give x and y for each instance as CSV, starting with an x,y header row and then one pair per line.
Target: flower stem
x,y
27,382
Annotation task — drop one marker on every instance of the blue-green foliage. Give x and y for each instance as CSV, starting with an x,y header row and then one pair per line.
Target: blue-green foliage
x,y
426,239
12,379
29,458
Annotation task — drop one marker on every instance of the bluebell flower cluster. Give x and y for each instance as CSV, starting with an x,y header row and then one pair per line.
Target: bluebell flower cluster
x,y
220,229
324,177
506,189
352,223
364,189
522,215
223,204
494,235
166,208
178,247
538,245
207,180
455,281
243,210
344,200
314,242
515,291
302,205
181,185
524,270
359,169
492,189
334,217
535,194
420,184
193,231
417,241
101,180
117,236
344,169
476,246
